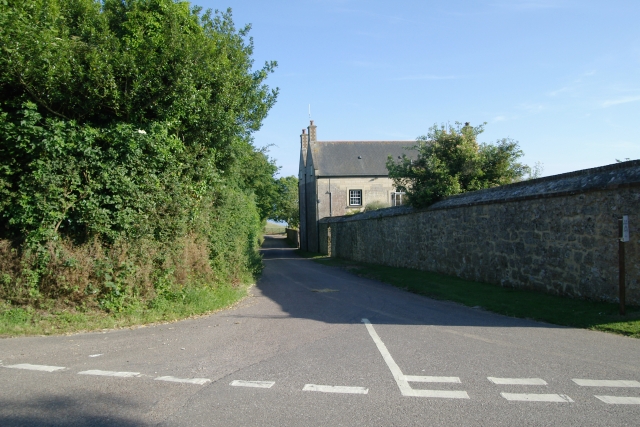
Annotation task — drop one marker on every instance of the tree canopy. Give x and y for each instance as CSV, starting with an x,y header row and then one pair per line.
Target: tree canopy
x,y
285,207
451,161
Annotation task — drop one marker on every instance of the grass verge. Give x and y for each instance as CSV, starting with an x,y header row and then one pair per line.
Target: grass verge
x,y
272,228
600,316
192,302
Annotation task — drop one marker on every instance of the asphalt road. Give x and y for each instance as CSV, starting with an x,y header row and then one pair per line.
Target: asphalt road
x,y
315,345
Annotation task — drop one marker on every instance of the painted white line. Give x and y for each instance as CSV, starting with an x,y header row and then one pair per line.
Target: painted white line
x,y
401,379
447,394
403,385
606,383
522,397
30,367
199,381
258,384
419,379
335,389
517,381
95,355
620,400
110,373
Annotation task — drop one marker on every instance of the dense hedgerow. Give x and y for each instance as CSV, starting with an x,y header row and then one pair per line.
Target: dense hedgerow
x,y
127,171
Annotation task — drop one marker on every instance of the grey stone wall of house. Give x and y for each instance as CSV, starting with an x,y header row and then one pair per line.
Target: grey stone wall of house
x,y
556,234
312,213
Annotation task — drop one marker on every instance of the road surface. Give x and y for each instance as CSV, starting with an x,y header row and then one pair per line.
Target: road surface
x,y
316,346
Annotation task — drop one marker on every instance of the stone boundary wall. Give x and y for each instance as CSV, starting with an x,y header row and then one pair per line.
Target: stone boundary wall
x,y
293,236
557,234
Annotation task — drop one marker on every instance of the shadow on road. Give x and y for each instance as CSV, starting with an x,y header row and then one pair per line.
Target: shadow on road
x,y
306,289
92,409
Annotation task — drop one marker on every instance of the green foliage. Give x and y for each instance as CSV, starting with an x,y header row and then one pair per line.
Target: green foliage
x,y
254,172
451,161
285,207
374,206
125,133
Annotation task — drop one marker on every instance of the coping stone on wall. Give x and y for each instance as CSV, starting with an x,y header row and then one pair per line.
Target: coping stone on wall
x,y
617,175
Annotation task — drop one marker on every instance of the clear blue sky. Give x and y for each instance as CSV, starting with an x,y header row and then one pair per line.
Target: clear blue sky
x,y
562,77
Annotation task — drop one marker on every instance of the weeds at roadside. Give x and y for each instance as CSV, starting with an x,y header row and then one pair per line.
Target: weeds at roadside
x,y
192,302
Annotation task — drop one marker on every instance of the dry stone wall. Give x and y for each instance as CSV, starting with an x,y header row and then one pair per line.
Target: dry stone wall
x,y
556,234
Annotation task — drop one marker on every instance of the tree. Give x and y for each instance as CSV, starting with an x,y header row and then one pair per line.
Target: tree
x,y
451,161
285,207
120,116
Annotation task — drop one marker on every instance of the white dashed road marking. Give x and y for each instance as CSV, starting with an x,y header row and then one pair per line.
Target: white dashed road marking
x,y
30,367
401,379
517,381
258,384
199,381
95,355
606,383
335,389
447,394
523,397
110,373
419,379
619,400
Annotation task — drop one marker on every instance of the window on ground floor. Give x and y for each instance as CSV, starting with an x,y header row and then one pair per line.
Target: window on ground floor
x,y
397,198
355,197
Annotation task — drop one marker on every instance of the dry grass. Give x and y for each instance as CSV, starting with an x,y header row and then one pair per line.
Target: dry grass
x,y
70,275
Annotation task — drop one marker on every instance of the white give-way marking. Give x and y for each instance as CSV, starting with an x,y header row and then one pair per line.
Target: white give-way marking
x,y
612,400
403,380
620,400
335,389
110,373
199,381
606,383
31,367
517,381
560,398
258,384
419,379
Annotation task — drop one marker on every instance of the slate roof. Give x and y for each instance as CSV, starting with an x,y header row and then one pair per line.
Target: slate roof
x,y
357,158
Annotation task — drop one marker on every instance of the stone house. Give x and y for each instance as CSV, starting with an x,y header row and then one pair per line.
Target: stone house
x,y
338,178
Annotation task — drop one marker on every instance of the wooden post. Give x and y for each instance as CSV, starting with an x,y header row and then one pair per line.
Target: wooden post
x,y
621,266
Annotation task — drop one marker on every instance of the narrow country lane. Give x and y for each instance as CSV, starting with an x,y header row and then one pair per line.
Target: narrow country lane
x,y
314,345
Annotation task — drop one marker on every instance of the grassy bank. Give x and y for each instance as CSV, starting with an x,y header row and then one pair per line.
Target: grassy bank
x,y
598,316
15,321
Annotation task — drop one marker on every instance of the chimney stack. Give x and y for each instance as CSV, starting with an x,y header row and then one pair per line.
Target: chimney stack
x,y
304,144
312,133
